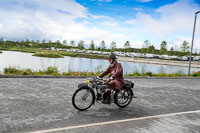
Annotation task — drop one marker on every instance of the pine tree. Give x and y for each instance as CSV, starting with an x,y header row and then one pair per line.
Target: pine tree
x,y
185,47
102,45
113,46
127,44
92,45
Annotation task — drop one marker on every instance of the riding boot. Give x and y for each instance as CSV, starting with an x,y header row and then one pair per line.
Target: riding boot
x,y
107,100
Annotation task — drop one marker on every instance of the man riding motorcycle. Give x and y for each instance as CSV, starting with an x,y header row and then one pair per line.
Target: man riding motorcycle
x,y
116,79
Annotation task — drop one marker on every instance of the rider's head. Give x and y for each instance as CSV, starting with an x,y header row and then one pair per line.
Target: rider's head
x,y
112,58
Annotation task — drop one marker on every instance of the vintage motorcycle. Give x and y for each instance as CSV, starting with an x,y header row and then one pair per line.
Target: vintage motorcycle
x,y
95,90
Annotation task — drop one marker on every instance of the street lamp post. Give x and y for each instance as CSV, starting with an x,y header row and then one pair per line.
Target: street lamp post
x,y
192,42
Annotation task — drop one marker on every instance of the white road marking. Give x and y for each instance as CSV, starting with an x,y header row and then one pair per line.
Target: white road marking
x,y
113,122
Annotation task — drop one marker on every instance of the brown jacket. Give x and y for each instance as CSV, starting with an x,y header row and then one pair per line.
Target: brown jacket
x,y
116,72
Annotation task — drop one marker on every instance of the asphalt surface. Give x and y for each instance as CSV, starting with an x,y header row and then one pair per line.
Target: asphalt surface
x,y
44,104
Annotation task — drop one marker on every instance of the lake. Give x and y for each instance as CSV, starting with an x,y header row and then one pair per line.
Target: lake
x,y
66,64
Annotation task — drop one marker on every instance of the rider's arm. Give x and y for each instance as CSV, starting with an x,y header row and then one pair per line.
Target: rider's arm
x,y
105,72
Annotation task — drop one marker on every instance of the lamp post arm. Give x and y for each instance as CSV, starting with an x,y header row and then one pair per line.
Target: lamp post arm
x,y
192,42
197,12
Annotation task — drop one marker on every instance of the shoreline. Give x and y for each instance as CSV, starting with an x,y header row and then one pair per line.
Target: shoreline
x,y
194,64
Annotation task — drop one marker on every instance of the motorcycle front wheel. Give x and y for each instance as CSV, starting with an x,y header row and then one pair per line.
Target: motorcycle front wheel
x,y
123,97
82,99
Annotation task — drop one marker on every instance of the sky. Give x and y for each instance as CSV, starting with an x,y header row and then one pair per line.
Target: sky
x,y
109,20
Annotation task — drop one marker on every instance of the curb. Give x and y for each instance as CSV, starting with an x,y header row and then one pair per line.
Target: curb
x,y
51,76
32,76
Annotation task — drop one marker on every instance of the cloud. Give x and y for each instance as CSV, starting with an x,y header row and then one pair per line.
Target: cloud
x,y
144,0
99,17
131,22
51,20
105,0
138,9
176,17
109,23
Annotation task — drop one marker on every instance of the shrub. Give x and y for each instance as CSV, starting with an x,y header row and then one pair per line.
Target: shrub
x,y
52,70
12,70
149,73
27,72
197,74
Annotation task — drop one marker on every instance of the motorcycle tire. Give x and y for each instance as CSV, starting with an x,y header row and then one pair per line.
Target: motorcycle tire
x,y
123,97
86,93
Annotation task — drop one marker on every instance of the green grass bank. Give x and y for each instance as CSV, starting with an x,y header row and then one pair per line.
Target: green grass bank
x,y
54,71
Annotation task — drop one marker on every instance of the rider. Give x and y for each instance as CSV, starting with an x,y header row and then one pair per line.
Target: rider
x,y
116,79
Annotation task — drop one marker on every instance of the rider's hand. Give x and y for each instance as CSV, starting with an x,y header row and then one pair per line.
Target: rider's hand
x,y
98,78
108,80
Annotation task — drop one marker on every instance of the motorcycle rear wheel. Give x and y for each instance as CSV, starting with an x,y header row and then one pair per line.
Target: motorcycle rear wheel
x,y
123,97
82,99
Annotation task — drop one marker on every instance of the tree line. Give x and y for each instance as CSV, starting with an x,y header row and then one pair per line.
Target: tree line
x,y
146,48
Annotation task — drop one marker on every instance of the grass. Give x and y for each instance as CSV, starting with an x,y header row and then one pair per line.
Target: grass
x,y
17,71
82,55
48,54
53,54
54,71
25,49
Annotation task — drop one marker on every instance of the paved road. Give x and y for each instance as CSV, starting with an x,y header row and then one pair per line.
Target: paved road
x,y
34,104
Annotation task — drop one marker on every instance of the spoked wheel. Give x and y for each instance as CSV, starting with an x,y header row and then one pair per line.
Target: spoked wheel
x,y
123,97
82,99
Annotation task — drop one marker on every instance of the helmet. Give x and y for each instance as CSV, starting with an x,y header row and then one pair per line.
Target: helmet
x,y
112,56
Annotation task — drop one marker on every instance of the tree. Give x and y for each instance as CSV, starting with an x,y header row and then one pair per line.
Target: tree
x,y
43,41
92,46
72,43
27,43
127,44
151,49
57,44
172,49
65,42
32,43
1,41
102,45
163,48
81,44
50,43
22,43
146,44
38,41
113,46
185,47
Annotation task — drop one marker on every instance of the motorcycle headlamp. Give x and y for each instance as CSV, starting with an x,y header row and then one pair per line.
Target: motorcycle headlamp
x,y
88,81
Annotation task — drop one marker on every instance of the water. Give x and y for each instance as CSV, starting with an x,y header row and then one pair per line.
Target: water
x,y
66,64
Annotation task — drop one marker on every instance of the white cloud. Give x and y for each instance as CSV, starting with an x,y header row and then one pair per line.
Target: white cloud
x,y
99,17
51,20
145,0
109,23
174,17
131,22
138,9
105,0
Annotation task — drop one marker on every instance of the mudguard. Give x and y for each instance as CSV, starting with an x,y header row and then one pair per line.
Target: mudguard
x,y
85,85
130,91
128,84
